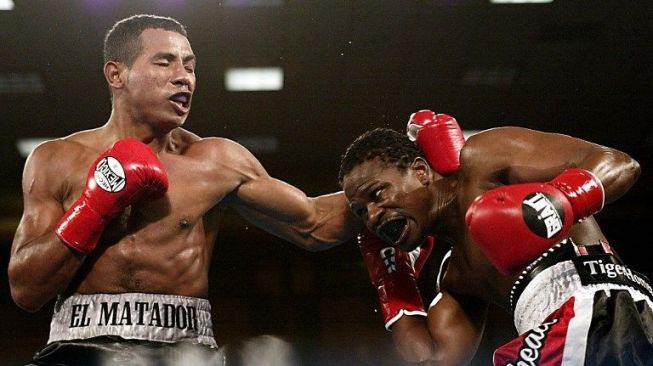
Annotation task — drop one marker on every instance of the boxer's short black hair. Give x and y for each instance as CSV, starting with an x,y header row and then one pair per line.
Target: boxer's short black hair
x,y
122,42
386,144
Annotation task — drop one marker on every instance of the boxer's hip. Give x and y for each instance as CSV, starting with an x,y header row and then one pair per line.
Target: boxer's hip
x,y
135,316
607,327
568,270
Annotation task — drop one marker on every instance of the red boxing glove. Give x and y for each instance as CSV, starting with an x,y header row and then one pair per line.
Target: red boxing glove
x,y
439,137
515,224
122,175
393,276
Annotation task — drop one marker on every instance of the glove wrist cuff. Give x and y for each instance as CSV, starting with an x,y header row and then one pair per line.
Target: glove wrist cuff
x,y
390,322
80,227
403,298
584,191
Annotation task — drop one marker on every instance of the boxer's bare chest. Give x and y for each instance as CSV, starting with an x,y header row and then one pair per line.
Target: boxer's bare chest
x,y
474,276
160,245
468,270
194,190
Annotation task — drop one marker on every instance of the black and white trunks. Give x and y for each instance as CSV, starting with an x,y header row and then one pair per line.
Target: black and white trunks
x,y
579,305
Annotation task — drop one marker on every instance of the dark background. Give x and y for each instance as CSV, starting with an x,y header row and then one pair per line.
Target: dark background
x,y
577,67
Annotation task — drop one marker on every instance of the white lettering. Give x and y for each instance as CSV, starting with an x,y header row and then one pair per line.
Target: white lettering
x,y
553,225
537,202
612,271
546,213
388,256
109,175
629,274
591,265
533,343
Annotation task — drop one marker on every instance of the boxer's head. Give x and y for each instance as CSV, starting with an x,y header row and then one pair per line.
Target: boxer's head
x,y
150,68
122,42
386,179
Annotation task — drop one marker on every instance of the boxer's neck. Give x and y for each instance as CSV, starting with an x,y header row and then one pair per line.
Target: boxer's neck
x,y
120,127
445,213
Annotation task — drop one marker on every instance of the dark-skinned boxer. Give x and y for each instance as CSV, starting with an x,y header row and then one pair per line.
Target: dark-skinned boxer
x,y
517,215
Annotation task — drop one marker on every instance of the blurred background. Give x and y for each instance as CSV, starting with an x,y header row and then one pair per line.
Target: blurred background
x,y
295,82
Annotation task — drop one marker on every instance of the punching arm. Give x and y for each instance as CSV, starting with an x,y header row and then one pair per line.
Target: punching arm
x,y
281,209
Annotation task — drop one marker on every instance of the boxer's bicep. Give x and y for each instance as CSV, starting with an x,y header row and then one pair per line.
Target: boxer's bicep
x,y
40,266
519,155
42,201
40,214
267,211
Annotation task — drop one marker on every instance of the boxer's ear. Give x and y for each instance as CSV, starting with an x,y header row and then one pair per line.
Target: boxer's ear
x,y
422,170
113,73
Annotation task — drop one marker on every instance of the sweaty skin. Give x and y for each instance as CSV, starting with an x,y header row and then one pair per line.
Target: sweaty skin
x,y
161,246
432,204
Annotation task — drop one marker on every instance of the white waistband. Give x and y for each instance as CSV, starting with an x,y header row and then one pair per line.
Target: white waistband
x,y
151,317
551,288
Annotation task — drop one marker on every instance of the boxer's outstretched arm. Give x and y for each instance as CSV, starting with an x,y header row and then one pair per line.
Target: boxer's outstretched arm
x,y
40,266
450,335
328,221
313,223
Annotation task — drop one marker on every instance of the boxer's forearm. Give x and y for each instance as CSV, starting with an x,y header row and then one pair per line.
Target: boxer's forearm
x,y
450,335
39,269
334,223
326,222
412,339
415,344
285,211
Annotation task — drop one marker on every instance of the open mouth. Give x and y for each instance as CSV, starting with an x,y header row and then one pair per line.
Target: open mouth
x,y
181,99
393,230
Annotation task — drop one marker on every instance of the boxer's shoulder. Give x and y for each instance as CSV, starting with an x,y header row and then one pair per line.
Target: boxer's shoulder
x,y
222,151
52,165
223,159
55,152
480,143
80,147
489,153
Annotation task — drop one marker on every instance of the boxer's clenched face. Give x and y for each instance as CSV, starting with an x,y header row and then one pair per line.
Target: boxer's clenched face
x,y
394,204
161,81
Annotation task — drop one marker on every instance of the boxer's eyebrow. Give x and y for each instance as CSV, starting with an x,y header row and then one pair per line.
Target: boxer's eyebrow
x,y
190,57
163,55
171,56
